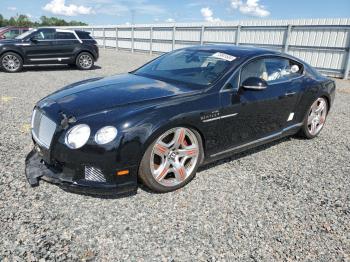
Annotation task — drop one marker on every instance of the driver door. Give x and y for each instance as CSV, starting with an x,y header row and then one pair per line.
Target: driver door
x,y
256,114
39,47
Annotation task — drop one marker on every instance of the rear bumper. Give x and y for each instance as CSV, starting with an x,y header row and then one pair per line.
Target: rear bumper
x,y
36,170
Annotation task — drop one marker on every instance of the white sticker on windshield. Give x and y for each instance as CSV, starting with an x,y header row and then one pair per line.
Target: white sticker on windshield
x,y
224,56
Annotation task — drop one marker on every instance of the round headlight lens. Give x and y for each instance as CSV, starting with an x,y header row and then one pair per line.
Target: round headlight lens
x,y
105,135
77,136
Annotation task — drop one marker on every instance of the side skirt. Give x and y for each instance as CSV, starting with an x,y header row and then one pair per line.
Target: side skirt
x,y
290,130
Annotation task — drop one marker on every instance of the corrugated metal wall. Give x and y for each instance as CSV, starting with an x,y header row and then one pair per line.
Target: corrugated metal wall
x,y
324,43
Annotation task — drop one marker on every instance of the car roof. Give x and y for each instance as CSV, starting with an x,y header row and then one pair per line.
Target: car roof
x,y
234,50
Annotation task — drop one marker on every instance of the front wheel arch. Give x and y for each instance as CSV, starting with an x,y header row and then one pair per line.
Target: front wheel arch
x,y
84,51
144,168
15,53
163,128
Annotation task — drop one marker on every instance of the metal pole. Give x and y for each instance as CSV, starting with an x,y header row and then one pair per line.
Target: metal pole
x,y
151,41
238,34
104,38
132,39
116,39
347,63
202,35
173,43
286,38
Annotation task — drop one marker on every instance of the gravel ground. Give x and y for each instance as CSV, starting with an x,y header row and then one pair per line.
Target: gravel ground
x,y
286,201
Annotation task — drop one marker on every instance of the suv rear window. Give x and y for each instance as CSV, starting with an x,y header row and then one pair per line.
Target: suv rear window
x,y
84,35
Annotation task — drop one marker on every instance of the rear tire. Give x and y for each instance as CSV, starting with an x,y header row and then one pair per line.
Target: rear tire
x,y
314,119
85,61
172,160
11,62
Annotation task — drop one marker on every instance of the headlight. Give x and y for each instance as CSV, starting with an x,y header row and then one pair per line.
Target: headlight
x,y
105,135
77,136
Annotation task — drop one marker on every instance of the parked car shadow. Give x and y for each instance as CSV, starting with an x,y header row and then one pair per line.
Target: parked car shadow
x,y
202,168
230,158
119,196
42,68
238,156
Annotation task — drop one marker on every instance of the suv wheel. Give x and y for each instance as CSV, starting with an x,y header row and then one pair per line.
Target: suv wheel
x,y
84,61
11,62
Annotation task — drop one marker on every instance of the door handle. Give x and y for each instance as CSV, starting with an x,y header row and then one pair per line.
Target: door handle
x,y
290,93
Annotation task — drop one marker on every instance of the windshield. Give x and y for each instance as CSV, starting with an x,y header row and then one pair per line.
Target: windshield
x,y
200,68
24,35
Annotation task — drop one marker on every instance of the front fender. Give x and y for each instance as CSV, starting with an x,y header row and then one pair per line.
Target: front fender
x,y
14,49
156,120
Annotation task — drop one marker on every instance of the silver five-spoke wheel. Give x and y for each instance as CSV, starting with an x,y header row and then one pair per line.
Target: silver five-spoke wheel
x,y
317,116
174,156
11,63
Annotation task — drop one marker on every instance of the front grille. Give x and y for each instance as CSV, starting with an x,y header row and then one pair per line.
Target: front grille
x,y
43,129
94,174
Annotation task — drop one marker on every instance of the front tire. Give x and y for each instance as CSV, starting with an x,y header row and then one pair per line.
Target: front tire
x,y
11,62
84,61
315,119
172,160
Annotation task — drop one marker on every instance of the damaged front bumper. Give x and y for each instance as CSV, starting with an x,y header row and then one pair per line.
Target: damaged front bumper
x,y
36,169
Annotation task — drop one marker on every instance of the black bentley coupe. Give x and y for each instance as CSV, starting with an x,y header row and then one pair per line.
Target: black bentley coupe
x,y
159,123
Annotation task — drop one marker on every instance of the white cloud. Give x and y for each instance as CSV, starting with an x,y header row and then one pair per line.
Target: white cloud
x,y
12,8
170,20
59,7
207,13
250,7
119,8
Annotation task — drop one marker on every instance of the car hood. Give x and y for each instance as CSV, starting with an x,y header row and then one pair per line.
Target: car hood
x,y
101,94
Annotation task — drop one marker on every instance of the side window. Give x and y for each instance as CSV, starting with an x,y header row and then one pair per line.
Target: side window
x,y
255,68
272,70
44,35
281,69
233,84
65,36
11,34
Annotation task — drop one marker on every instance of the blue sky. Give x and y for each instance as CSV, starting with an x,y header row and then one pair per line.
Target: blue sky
x,y
98,12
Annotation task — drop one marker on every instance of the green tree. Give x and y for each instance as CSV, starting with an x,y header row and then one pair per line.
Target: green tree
x,y
23,20
1,20
12,21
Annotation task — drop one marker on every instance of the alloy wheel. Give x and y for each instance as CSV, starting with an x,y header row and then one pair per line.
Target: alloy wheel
x,y
11,63
317,116
85,61
174,156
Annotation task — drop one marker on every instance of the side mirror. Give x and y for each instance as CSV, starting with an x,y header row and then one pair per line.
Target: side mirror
x,y
254,83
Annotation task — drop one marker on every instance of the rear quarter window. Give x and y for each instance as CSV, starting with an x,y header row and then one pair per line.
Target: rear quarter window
x,y
84,35
65,36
